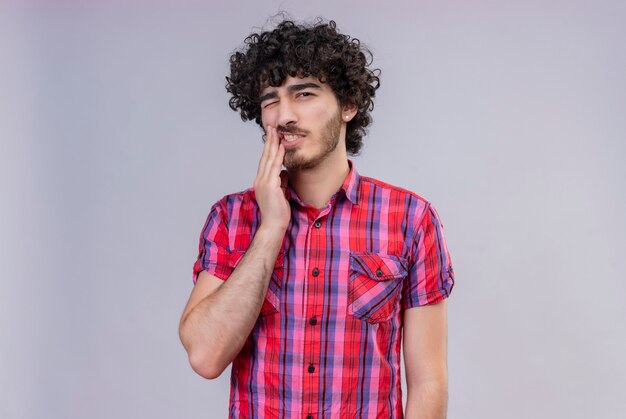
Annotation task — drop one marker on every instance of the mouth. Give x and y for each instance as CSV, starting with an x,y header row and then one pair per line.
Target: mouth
x,y
289,137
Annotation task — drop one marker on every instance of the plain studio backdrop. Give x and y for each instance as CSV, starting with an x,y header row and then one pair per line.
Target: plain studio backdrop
x,y
510,117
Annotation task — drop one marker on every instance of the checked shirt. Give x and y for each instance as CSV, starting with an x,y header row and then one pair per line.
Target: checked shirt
x,y
327,341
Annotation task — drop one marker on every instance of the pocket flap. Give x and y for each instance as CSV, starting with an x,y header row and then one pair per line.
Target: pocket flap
x,y
236,255
378,266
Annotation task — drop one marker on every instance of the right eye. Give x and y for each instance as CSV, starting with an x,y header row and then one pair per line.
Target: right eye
x,y
268,104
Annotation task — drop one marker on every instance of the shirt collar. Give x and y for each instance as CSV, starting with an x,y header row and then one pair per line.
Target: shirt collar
x,y
351,184
350,187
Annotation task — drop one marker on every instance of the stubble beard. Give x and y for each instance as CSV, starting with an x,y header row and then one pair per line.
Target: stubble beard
x,y
329,139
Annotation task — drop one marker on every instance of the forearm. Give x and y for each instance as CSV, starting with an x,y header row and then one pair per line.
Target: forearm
x,y
216,329
427,400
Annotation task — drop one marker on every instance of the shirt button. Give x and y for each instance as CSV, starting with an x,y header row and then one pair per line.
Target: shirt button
x,y
309,417
311,368
317,224
313,321
379,272
316,272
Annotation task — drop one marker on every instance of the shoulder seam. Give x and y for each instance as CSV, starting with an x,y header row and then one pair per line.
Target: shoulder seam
x,y
394,187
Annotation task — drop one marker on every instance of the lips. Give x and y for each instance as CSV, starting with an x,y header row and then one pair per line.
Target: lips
x,y
289,137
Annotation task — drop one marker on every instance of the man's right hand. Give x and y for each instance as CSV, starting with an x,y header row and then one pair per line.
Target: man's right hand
x,y
220,315
270,184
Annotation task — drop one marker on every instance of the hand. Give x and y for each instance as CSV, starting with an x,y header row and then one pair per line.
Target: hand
x,y
270,184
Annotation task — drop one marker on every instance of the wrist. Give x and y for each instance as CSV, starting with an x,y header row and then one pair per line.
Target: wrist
x,y
271,231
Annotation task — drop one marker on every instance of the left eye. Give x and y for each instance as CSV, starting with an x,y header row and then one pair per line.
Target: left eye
x,y
304,94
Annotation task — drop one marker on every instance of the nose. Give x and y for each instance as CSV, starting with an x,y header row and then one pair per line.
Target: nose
x,y
286,113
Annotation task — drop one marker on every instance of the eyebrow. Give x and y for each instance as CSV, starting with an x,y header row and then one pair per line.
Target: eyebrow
x,y
292,88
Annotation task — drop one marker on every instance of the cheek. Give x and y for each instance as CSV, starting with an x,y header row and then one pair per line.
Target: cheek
x,y
323,113
268,118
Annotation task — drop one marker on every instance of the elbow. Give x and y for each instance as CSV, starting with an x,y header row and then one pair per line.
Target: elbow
x,y
205,366
432,381
208,361
439,381
436,388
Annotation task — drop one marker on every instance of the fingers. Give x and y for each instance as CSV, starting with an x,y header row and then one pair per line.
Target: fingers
x,y
262,169
272,144
263,154
284,179
278,163
272,159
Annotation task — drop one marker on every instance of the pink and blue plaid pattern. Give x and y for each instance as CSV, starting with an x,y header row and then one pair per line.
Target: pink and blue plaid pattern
x,y
327,341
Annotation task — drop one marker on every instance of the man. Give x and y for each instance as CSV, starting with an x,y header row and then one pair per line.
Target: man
x,y
306,281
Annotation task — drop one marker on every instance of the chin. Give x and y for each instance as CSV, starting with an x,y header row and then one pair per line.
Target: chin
x,y
298,162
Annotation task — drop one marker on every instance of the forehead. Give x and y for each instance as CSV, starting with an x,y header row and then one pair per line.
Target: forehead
x,y
294,81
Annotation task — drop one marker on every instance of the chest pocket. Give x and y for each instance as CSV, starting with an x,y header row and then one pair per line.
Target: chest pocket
x,y
375,285
271,304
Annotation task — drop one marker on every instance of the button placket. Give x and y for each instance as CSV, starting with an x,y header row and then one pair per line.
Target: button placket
x,y
315,297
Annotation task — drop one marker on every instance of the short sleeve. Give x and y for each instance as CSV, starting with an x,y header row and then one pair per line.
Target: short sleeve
x,y
431,278
213,250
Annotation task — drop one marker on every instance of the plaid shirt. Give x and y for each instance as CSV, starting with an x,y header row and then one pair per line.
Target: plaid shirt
x,y
327,341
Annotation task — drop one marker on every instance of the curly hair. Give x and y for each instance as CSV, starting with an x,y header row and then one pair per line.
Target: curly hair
x,y
300,50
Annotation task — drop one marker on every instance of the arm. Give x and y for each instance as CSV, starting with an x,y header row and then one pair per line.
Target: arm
x,y
220,314
425,344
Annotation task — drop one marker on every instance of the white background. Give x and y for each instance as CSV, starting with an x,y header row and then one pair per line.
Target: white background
x,y
116,139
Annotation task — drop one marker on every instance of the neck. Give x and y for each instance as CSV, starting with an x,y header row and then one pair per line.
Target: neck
x,y
317,185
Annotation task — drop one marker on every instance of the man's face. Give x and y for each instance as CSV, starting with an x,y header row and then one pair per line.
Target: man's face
x,y
307,116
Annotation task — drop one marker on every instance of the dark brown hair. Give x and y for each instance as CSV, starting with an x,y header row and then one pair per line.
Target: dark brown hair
x,y
299,50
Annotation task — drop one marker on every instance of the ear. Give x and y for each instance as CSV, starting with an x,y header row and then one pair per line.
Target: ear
x,y
348,111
